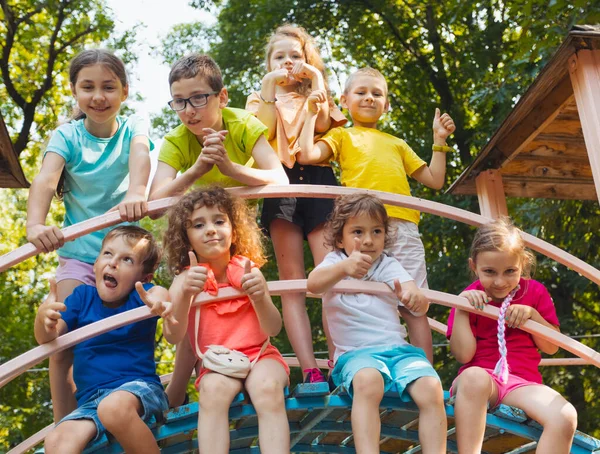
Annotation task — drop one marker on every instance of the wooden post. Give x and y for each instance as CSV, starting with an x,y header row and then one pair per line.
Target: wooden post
x,y
584,68
490,192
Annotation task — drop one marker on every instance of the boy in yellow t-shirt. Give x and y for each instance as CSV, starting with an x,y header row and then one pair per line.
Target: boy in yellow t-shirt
x,y
214,143
372,159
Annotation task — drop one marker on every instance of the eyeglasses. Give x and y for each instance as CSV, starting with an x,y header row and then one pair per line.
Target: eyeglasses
x,y
178,104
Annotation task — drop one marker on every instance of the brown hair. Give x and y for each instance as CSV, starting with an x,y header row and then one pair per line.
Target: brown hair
x,y
309,49
246,236
133,235
193,65
350,206
366,71
82,60
502,236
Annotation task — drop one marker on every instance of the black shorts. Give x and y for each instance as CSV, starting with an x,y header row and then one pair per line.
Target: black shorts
x,y
306,213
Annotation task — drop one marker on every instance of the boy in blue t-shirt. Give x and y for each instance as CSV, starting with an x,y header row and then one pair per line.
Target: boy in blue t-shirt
x,y
115,373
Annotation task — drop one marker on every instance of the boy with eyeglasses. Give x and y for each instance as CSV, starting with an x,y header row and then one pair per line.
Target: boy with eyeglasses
x,y
215,143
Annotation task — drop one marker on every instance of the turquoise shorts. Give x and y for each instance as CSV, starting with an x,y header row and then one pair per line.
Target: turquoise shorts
x,y
151,395
400,365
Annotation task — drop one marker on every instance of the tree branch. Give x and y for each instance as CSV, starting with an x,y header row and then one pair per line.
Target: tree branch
x,y
6,50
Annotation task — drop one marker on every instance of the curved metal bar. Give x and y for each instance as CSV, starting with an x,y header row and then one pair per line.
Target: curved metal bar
x,y
16,366
310,191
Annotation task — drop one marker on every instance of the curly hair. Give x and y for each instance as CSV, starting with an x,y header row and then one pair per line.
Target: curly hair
x,y
246,237
351,206
309,49
501,235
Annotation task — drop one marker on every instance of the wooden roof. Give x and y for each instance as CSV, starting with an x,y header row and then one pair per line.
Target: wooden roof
x,y
539,148
11,173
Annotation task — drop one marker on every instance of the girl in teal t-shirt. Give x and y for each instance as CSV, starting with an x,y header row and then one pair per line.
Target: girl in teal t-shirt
x,y
98,162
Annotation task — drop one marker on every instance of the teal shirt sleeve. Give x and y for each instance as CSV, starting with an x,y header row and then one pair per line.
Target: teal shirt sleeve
x,y
61,142
139,127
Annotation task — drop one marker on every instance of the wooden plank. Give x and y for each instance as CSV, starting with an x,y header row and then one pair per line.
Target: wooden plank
x,y
559,168
574,190
538,119
556,148
584,69
564,127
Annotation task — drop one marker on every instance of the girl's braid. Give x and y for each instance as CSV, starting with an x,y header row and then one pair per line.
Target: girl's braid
x,y
501,369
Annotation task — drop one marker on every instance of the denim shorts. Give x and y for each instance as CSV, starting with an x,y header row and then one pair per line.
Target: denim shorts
x,y
151,395
398,364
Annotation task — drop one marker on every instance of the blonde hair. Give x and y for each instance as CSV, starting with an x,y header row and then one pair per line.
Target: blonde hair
x,y
309,49
246,238
366,71
353,205
502,236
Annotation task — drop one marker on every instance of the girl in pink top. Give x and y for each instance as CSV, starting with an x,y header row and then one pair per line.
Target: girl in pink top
x,y
501,361
295,73
213,242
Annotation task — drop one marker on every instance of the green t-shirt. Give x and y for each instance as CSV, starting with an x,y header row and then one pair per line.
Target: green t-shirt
x,y
180,148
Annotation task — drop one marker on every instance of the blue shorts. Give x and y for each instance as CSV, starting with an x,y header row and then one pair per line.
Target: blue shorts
x,y
400,365
151,395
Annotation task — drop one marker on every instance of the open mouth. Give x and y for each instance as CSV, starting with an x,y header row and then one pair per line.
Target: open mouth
x,y
110,281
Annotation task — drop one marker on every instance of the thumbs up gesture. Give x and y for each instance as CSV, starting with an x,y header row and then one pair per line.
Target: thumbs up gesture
x,y
162,309
411,297
357,263
443,126
195,276
49,311
253,283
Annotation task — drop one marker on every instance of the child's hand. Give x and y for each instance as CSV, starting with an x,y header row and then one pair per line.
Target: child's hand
x,y
281,76
133,207
477,298
315,99
254,283
517,315
412,298
303,70
49,311
443,126
47,238
162,309
195,277
358,264
214,152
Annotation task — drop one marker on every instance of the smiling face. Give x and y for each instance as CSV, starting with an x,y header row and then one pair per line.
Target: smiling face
x,y
197,118
118,267
499,272
99,94
366,100
210,234
369,230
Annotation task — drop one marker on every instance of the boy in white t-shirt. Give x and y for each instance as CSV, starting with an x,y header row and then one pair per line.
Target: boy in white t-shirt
x,y
371,352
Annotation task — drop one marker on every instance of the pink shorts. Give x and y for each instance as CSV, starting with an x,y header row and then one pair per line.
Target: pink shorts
x,y
513,383
75,269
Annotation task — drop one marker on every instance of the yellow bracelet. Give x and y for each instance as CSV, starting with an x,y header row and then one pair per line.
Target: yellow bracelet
x,y
442,148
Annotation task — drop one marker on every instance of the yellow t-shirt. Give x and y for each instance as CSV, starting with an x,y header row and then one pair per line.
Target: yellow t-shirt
x,y
372,159
180,148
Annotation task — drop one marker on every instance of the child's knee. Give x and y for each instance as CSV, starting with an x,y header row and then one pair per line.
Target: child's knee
x,y
117,410
57,441
368,384
267,395
564,421
64,439
216,392
427,392
473,383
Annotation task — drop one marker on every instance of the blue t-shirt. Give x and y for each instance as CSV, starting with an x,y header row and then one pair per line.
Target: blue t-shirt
x,y
113,358
97,176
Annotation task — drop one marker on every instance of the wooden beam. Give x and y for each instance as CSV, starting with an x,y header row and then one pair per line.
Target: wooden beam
x,y
525,187
490,192
552,167
540,117
584,68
